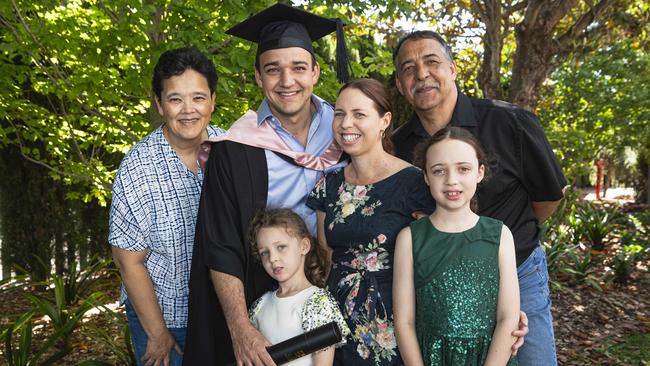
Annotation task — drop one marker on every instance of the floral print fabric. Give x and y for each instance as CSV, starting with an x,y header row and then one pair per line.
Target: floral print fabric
x,y
319,309
361,225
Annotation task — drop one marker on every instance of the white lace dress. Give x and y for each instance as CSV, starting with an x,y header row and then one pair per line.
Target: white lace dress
x,y
281,318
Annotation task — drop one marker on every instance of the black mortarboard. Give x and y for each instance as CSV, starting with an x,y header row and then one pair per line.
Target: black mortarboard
x,y
283,26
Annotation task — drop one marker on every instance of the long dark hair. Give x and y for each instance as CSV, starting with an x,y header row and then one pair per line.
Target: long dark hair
x,y
316,260
379,94
454,133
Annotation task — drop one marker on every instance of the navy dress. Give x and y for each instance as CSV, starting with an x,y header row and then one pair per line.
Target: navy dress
x,y
361,225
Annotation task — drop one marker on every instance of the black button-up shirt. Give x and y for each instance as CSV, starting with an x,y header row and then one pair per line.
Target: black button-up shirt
x,y
523,167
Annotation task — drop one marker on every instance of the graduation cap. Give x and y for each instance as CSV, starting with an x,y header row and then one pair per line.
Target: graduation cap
x,y
283,26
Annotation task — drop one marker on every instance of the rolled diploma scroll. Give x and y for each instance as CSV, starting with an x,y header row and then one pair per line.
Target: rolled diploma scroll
x,y
304,344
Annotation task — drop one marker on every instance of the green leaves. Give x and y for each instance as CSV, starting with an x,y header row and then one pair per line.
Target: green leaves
x,y
76,75
597,107
18,355
65,315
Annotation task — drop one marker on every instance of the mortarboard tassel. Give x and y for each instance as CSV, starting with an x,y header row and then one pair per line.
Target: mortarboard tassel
x,y
342,61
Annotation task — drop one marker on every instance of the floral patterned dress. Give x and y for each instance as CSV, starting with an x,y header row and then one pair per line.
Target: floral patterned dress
x,y
361,225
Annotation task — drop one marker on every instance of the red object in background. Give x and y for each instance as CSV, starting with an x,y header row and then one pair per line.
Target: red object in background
x,y
600,164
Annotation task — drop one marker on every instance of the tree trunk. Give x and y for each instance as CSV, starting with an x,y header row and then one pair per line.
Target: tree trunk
x,y
156,36
59,254
26,196
647,187
489,77
536,46
531,66
94,222
71,252
5,261
540,48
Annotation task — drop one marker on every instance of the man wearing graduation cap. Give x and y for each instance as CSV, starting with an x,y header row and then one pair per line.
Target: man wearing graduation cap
x,y
272,158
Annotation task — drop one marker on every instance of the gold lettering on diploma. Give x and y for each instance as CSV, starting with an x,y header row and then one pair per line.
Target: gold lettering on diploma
x,y
295,355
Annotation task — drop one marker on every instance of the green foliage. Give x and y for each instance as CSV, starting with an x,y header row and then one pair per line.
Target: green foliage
x,y
120,347
581,237
74,92
22,354
634,247
64,318
581,268
77,77
39,223
595,223
633,349
73,296
586,223
640,222
78,284
558,237
557,252
18,355
599,106
624,262
13,283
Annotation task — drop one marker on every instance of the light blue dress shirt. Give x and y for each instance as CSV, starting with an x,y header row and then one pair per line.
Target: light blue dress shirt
x,y
289,184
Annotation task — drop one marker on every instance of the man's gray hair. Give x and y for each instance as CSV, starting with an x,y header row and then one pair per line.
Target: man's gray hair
x,y
422,34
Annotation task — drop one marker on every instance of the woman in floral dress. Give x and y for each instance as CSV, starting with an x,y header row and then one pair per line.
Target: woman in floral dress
x,y
361,208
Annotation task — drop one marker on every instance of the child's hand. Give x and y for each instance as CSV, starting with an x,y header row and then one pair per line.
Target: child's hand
x,y
250,347
520,333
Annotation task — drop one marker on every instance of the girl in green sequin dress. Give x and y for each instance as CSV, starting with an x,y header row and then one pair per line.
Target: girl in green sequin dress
x,y
455,290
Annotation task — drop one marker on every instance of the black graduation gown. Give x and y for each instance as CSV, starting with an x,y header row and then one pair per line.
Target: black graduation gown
x,y
234,189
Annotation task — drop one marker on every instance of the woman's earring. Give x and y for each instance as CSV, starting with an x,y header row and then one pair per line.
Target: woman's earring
x,y
383,133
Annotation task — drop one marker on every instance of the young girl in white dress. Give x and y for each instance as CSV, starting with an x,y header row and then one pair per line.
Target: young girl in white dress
x,y
280,239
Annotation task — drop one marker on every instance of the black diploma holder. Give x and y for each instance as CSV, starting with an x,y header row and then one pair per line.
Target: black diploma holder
x,y
306,343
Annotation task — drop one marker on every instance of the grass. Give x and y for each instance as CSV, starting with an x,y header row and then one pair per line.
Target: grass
x,y
633,349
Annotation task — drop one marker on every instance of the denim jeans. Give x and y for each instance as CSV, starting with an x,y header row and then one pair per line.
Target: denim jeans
x,y
139,337
539,344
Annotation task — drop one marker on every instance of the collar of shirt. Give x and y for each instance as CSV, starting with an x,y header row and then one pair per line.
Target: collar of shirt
x,y
159,137
463,112
264,113
170,154
463,116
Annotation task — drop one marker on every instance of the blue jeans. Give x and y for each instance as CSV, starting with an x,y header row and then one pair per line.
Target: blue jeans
x,y
139,337
539,344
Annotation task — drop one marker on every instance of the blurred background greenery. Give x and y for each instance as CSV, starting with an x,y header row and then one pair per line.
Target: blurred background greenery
x,y
75,96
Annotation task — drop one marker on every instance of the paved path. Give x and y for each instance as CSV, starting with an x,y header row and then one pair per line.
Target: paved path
x,y
613,194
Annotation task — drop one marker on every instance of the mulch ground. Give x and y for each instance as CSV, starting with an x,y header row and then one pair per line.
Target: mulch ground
x,y
589,323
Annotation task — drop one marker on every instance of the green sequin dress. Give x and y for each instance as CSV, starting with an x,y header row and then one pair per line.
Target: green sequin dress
x,y
457,285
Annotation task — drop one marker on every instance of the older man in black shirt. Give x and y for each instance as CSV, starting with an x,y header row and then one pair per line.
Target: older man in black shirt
x,y
526,182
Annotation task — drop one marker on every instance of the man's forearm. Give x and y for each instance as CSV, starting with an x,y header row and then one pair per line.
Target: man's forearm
x,y
543,210
230,291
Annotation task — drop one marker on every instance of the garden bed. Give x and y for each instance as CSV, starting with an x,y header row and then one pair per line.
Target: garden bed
x,y
598,255
593,327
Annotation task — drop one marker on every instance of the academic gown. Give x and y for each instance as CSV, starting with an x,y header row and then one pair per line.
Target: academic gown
x,y
234,189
